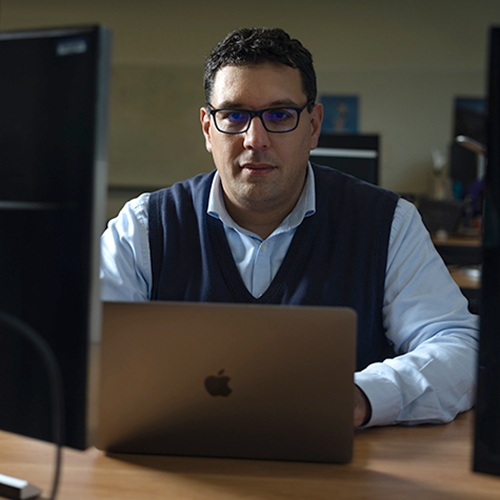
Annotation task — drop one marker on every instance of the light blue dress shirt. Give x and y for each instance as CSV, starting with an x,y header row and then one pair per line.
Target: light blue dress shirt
x,y
426,316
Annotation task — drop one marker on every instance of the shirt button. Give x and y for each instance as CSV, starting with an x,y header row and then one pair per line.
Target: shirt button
x,y
263,248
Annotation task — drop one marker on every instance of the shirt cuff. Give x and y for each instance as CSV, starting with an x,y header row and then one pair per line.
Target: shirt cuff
x,y
382,394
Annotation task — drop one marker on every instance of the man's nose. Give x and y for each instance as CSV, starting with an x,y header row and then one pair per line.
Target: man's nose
x,y
256,137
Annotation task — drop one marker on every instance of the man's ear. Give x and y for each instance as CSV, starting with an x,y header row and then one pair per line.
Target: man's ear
x,y
205,126
316,118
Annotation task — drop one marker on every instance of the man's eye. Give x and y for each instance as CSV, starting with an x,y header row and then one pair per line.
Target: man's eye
x,y
279,115
234,116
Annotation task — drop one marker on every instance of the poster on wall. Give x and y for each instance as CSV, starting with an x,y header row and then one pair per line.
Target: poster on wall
x,y
341,113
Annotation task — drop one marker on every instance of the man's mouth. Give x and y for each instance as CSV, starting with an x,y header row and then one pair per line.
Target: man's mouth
x,y
258,168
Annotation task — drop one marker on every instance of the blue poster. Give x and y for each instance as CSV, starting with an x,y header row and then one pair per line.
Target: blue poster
x,y
340,114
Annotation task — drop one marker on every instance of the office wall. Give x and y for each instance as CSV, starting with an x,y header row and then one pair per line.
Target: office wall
x,y
406,60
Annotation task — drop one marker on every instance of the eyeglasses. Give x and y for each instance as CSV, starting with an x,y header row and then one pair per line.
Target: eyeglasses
x,y
275,120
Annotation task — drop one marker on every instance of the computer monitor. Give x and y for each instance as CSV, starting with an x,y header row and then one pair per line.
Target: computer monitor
x,y
463,166
353,154
487,422
53,158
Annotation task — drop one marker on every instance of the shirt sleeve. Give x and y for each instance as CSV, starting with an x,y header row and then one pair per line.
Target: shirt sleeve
x,y
125,272
433,376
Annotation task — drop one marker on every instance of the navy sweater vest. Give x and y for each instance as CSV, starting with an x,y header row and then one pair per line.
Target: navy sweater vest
x,y
337,257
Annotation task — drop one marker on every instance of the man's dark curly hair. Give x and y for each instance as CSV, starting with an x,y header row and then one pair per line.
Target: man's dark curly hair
x,y
257,46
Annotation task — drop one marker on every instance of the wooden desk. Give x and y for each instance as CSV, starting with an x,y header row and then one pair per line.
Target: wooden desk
x,y
462,254
459,241
465,278
392,463
461,251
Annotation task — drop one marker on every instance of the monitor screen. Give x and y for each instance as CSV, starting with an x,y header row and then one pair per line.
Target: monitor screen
x,y
353,154
53,102
487,425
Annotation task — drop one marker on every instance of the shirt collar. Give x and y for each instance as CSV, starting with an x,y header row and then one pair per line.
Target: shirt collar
x,y
305,207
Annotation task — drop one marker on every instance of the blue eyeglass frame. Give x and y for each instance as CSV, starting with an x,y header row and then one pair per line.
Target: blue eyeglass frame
x,y
253,114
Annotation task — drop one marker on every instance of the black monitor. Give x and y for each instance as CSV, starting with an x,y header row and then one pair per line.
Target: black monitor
x,y
487,422
53,162
463,166
353,154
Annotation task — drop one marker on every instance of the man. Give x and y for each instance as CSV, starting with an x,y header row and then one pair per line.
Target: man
x,y
269,227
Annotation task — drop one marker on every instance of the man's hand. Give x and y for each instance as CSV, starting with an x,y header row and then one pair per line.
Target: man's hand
x,y
362,407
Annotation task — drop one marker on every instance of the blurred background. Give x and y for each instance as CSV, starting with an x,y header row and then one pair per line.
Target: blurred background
x,y
406,64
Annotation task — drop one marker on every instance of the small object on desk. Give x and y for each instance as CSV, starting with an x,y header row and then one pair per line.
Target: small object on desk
x,y
18,489
474,273
440,235
468,277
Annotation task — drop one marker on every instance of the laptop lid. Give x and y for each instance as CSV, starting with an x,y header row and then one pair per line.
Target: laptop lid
x,y
228,380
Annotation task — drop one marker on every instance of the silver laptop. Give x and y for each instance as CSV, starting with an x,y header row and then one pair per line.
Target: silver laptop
x,y
228,380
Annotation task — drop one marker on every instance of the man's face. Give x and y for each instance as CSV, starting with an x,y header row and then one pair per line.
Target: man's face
x,y
261,171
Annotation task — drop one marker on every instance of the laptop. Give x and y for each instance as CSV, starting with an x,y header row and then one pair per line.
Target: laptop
x,y
228,380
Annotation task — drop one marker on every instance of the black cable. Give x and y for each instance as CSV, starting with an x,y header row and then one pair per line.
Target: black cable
x,y
55,384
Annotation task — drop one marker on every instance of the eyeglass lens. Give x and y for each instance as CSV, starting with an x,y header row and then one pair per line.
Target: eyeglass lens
x,y
274,120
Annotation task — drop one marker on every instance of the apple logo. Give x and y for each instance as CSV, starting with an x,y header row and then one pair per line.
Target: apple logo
x,y
217,385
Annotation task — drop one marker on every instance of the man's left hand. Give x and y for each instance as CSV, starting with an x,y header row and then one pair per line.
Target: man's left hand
x,y
362,408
